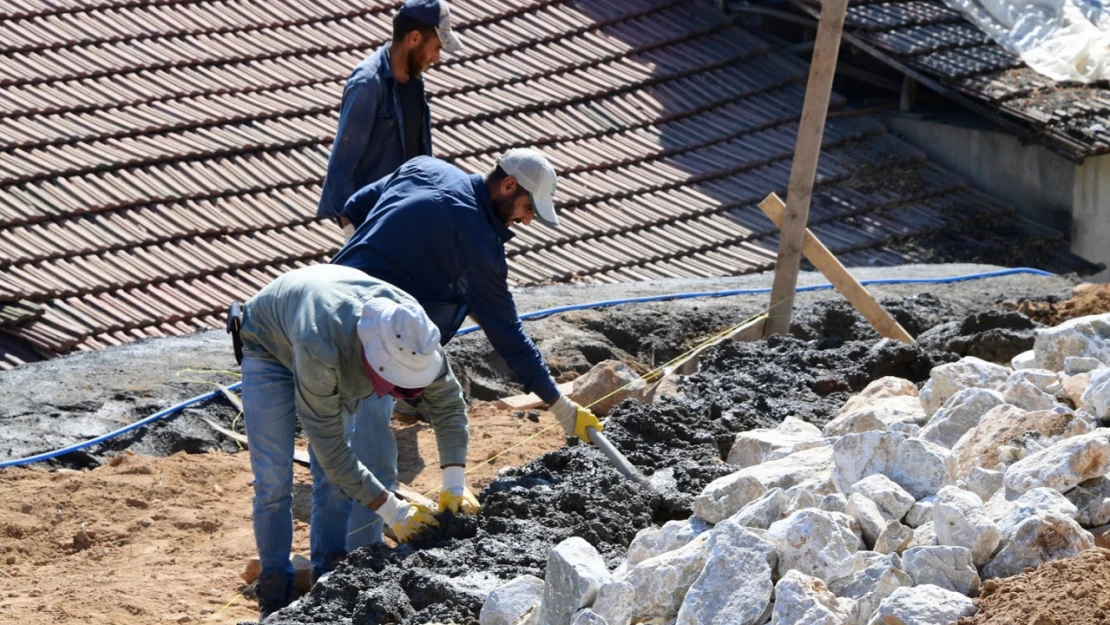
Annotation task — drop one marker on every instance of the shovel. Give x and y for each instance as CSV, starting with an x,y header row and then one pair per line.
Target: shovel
x,y
619,461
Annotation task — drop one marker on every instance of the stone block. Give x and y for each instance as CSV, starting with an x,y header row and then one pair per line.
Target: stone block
x,y
923,605
815,542
575,572
949,567
1085,337
1064,465
893,500
752,447
507,603
1041,538
961,520
800,598
959,414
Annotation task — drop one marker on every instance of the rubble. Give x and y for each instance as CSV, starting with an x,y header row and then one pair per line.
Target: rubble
x,y
878,414
883,388
507,603
1009,513
894,538
608,383
1092,500
734,584
1097,395
920,467
866,513
949,379
764,511
1043,537
614,603
1074,365
961,521
1005,426
871,585
1025,395
923,605
817,543
959,414
1063,465
752,447
921,512
652,541
1087,337
800,598
982,482
948,567
575,572
810,469
728,495
661,582
893,501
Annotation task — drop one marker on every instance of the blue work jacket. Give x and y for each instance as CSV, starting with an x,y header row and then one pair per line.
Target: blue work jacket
x,y
369,142
429,229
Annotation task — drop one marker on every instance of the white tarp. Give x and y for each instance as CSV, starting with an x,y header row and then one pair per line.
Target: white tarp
x,y
1065,40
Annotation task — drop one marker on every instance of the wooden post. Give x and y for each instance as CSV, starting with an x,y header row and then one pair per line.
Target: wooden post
x,y
909,94
844,282
811,130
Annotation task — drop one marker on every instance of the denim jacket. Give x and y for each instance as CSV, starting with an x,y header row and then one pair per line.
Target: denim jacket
x,y
369,142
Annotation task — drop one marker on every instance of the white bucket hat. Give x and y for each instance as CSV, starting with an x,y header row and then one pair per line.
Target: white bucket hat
x,y
537,176
400,342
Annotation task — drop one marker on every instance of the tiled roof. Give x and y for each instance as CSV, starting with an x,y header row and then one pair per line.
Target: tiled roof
x,y
951,54
161,158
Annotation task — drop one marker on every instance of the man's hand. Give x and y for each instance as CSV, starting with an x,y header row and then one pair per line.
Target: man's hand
x,y
454,495
574,418
405,519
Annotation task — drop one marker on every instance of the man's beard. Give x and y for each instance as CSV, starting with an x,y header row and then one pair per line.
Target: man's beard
x,y
503,207
414,60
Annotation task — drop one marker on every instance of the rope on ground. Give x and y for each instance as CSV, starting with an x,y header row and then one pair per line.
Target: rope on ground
x,y
222,388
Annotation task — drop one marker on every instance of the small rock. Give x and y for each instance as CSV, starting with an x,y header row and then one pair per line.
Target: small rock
x,y
1010,514
1086,337
147,522
800,598
184,618
614,603
893,501
920,513
26,508
834,503
505,604
983,482
735,586
1041,538
609,383
894,538
1024,360
968,372
1040,378
961,520
751,447
950,568
764,511
868,587
730,533
253,570
921,468
923,605
1023,394
652,541
887,386
1074,365
1004,426
1063,465
810,469
866,513
586,616
661,582
1092,498
959,414
879,414
575,572
815,542
798,498
924,535
1097,395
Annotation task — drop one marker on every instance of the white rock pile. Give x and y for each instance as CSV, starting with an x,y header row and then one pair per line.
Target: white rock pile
x,y
892,514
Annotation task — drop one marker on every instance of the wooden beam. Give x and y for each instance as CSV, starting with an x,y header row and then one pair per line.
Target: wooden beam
x,y
531,400
811,130
844,282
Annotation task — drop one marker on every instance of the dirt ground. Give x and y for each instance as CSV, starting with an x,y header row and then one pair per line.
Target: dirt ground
x,y
164,539
1086,299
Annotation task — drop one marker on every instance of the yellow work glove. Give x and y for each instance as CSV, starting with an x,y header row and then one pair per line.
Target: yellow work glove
x,y
574,418
404,518
454,495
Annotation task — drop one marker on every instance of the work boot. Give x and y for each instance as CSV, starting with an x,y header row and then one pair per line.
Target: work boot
x,y
276,590
331,561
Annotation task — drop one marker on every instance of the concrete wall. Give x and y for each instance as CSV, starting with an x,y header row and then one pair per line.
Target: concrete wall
x,y
1090,231
1037,182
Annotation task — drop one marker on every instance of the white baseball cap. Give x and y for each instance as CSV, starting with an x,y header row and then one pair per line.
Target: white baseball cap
x,y
537,176
435,13
400,342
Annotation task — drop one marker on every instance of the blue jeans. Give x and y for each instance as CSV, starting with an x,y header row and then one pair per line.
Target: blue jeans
x,y
370,437
269,412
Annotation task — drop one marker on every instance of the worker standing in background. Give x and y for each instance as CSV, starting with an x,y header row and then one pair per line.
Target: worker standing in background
x,y
439,234
384,118
315,342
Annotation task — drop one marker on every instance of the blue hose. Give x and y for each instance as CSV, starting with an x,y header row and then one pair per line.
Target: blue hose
x,y
533,315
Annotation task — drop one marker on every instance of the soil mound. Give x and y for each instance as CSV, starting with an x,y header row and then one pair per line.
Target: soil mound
x,y
995,335
1064,592
1086,299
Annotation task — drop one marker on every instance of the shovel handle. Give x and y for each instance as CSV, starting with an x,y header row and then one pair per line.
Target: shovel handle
x,y
617,458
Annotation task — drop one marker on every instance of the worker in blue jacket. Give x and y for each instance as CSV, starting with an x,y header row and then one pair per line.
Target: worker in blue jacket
x,y
384,118
439,234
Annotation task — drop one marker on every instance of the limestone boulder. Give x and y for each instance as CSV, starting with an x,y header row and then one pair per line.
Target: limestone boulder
x,y
893,500
734,586
731,533
652,541
1097,395
1092,501
1074,365
866,513
614,602
948,567
602,383
815,542
968,372
920,513
506,603
586,616
764,511
782,452
800,598
1024,394
575,572
961,520
834,502
894,538
799,498
983,482
1007,426
752,447
883,388
923,605
1044,379
1041,538
869,586
911,430
1086,337
924,535
959,414
878,414
1009,511
1064,465
919,467
1024,360
810,469
662,582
